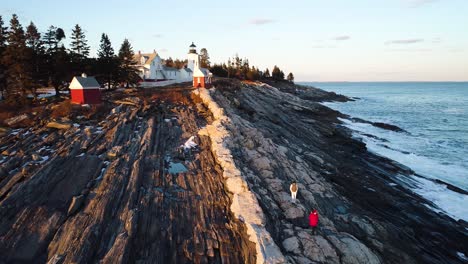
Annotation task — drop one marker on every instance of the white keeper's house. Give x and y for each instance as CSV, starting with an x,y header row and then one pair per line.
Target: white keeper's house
x,y
154,73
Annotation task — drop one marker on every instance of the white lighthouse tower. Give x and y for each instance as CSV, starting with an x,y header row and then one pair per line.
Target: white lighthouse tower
x,y
193,59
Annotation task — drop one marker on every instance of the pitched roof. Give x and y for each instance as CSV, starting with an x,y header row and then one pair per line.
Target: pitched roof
x,y
84,83
88,81
149,57
169,68
193,45
205,71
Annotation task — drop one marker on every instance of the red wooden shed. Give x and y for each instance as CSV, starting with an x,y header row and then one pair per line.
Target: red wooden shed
x,y
85,90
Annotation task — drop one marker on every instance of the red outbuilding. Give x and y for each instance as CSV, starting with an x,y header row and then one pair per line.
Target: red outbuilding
x,y
85,90
202,77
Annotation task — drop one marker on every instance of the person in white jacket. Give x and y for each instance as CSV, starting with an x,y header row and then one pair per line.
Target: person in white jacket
x,y
293,188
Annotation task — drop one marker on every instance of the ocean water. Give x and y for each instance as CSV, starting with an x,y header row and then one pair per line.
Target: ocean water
x,y
435,115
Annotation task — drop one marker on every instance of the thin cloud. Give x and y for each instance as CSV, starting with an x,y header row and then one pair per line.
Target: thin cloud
x,y
409,50
323,47
419,3
157,35
404,41
261,21
340,38
163,50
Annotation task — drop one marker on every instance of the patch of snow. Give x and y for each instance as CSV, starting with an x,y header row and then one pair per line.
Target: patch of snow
x,y
81,155
189,144
76,125
175,168
462,256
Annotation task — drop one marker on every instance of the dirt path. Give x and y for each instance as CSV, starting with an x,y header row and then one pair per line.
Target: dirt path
x,y
105,192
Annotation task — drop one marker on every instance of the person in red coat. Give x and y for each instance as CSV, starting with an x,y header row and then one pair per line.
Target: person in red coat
x,y
313,220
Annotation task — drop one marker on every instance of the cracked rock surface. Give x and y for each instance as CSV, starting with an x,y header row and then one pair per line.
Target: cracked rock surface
x,y
284,134
99,191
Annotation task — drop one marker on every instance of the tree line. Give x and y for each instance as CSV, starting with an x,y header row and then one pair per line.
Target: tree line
x,y
239,68
30,59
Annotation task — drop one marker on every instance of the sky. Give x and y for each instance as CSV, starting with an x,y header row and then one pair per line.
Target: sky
x,y
316,40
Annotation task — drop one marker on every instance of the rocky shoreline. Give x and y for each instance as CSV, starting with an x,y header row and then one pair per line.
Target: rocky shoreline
x,y
283,134
104,189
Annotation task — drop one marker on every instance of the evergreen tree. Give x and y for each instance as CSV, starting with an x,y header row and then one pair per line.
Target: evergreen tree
x,y
128,72
79,51
106,59
79,45
57,60
60,70
277,74
219,70
33,38
15,58
50,39
290,77
59,35
266,74
34,43
3,39
204,58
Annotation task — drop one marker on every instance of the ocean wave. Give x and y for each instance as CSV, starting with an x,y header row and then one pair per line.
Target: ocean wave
x,y
452,203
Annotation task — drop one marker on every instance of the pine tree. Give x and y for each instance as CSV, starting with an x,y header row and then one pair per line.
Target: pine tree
x,y
266,74
57,60
128,72
50,39
204,58
34,43
106,59
60,70
3,39
277,74
79,45
15,58
290,77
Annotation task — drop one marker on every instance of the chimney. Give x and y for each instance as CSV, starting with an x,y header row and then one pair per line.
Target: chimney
x,y
84,75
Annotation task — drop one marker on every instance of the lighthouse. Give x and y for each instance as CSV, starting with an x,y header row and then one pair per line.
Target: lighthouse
x,y
193,59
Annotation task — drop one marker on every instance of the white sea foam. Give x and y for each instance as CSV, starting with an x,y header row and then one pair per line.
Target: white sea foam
x,y
450,202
